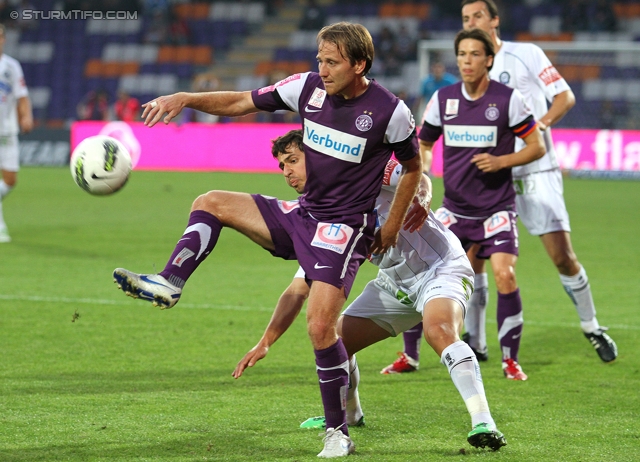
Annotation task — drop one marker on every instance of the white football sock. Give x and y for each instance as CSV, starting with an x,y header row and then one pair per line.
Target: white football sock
x,y
465,374
475,319
354,410
579,290
4,189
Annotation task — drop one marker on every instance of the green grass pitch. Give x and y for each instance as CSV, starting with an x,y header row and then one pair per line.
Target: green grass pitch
x,y
87,374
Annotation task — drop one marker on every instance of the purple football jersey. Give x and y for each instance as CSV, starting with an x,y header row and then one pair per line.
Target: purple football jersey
x,y
486,125
347,142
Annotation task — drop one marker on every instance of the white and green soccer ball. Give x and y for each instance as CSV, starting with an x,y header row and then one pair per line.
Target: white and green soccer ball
x,y
100,165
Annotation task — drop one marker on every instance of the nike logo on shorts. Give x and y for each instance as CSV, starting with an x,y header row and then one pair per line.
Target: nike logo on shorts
x,y
449,117
500,242
318,266
306,109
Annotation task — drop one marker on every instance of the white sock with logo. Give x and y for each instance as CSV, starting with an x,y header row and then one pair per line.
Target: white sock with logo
x,y
476,317
465,374
579,290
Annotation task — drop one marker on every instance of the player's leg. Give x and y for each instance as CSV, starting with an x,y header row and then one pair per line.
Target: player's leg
x,y
442,320
408,359
332,364
357,333
476,319
575,281
510,319
209,214
544,213
9,166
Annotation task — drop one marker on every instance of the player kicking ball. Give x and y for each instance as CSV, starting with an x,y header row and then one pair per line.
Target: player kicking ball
x,y
425,277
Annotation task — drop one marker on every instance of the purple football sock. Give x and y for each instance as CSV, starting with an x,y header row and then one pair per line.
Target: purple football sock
x,y
510,322
196,243
412,338
332,365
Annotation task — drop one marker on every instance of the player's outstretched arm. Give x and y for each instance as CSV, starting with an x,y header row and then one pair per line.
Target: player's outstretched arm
x,y
407,187
220,103
286,311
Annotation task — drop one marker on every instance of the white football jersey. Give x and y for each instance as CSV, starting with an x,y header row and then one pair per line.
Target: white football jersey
x,y
525,66
12,88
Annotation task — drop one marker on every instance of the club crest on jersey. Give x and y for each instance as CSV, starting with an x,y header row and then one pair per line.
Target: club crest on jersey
x,y
492,113
288,206
364,122
452,107
317,98
496,223
332,236
504,77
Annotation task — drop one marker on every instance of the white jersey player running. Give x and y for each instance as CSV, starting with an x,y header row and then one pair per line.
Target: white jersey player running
x,y
425,277
15,115
540,202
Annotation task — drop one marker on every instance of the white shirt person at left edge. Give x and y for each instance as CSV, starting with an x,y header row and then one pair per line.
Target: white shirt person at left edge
x,y
15,116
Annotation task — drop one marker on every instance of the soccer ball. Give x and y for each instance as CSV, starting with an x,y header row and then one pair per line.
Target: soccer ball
x,y
100,165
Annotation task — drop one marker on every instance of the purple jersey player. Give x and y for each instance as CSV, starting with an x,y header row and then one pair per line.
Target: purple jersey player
x,y
351,127
479,120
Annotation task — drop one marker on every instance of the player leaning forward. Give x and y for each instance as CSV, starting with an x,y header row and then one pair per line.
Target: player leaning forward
x,y
351,127
479,120
425,277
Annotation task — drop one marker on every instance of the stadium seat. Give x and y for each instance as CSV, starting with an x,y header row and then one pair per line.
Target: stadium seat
x,y
93,68
202,55
166,54
183,54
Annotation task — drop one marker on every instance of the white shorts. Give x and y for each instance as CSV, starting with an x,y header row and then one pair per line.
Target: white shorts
x,y
9,153
382,304
540,203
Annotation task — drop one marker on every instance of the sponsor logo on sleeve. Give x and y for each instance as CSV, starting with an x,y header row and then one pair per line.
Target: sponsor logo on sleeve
x,y
334,143
549,75
451,107
496,223
470,136
271,88
504,77
332,236
317,98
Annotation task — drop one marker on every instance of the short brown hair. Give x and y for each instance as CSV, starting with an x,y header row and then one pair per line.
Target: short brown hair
x,y
280,144
476,34
492,8
353,41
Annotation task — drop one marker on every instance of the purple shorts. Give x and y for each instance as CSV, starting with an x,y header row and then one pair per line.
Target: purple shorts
x,y
498,233
327,252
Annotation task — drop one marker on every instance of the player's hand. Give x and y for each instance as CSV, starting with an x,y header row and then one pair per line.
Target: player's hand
x,y
384,238
170,105
418,213
487,162
250,359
